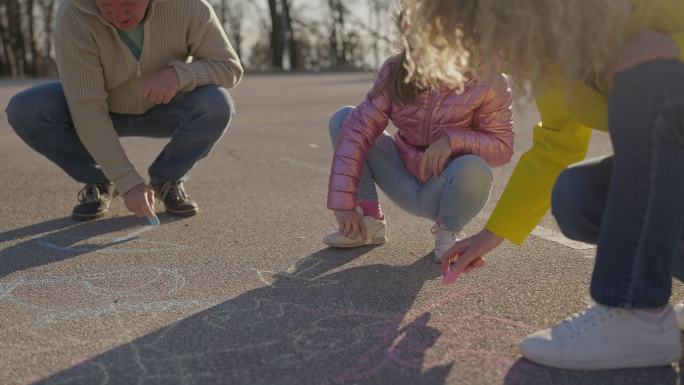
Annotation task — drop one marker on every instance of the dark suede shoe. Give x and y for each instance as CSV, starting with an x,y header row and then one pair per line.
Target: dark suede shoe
x,y
93,201
176,200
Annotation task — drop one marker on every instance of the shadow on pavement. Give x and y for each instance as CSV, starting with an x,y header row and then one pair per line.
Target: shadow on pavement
x,y
38,228
525,372
309,325
71,239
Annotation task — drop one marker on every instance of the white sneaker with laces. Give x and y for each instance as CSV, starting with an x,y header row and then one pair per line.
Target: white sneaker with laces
x,y
376,230
679,314
603,338
444,239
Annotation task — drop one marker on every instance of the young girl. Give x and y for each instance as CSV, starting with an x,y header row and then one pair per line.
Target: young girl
x,y
437,166
612,65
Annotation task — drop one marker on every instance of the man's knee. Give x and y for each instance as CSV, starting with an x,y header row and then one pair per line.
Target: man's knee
x,y
336,121
43,102
16,109
217,106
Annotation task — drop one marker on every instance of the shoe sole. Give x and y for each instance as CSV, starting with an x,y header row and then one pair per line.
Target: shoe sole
x,y
85,218
184,214
641,360
374,242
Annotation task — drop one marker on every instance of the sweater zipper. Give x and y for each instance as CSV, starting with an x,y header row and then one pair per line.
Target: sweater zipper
x,y
428,118
138,74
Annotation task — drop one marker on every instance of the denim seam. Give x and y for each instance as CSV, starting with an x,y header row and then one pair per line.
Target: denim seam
x,y
630,290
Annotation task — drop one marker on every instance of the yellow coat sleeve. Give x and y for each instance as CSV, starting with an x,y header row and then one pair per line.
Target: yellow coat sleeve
x,y
678,37
561,139
527,196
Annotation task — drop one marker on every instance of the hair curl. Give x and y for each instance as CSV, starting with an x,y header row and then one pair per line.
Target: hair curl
x,y
527,38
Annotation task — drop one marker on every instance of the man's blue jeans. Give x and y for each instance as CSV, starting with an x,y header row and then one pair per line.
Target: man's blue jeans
x,y
631,204
195,121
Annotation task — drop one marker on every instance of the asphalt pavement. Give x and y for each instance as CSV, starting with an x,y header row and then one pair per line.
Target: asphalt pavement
x,y
246,292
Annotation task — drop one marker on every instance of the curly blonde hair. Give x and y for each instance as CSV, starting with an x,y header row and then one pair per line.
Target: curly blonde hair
x,y
529,38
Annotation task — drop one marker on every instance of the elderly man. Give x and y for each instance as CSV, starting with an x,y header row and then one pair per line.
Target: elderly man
x,y
153,68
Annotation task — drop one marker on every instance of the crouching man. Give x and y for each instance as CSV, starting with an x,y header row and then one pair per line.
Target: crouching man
x,y
151,68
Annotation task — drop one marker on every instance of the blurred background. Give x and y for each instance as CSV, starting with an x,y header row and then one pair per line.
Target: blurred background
x,y
269,35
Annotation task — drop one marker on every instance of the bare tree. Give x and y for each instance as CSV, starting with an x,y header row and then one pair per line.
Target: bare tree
x,y
379,16
12,37
232,15
47,9
292,44
25,33
334,7
288,35
278,36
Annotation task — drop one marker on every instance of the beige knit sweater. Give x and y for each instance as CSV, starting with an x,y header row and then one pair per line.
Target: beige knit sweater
x,y
100,74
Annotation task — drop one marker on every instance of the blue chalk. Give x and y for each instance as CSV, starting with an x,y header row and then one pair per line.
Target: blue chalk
x,y
154,221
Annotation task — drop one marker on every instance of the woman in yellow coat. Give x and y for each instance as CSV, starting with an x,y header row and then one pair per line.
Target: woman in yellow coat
x,y
614,65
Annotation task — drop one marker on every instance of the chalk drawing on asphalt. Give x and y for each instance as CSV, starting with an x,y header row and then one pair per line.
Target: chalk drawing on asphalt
x,y
140,291
124,244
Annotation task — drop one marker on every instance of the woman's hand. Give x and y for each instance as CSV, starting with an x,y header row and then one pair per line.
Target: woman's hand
x,y
641,48
468,254
434,158
351,224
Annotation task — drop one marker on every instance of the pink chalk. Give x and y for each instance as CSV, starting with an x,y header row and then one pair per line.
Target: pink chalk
x,y
448,276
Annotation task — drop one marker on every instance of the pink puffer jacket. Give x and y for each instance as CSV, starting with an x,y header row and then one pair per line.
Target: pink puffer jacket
x,y
478,122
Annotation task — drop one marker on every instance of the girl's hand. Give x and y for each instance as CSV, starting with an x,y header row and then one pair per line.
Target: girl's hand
x,y
434,159
467,254
641,48
351,224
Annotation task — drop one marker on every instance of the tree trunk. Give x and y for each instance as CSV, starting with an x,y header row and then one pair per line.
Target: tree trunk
x,y
332,39
7,41
375,23
277,35
234,13
222,16
32,66
15,37
342,54
48,18
293,50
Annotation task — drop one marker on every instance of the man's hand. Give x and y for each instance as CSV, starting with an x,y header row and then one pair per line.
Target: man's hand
x,y
641,48
467,254
162,86
434,159
140,200
351,224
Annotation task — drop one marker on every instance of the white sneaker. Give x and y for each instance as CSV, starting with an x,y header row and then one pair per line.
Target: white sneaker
x,y
376,230
605,338
679,314
444,239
